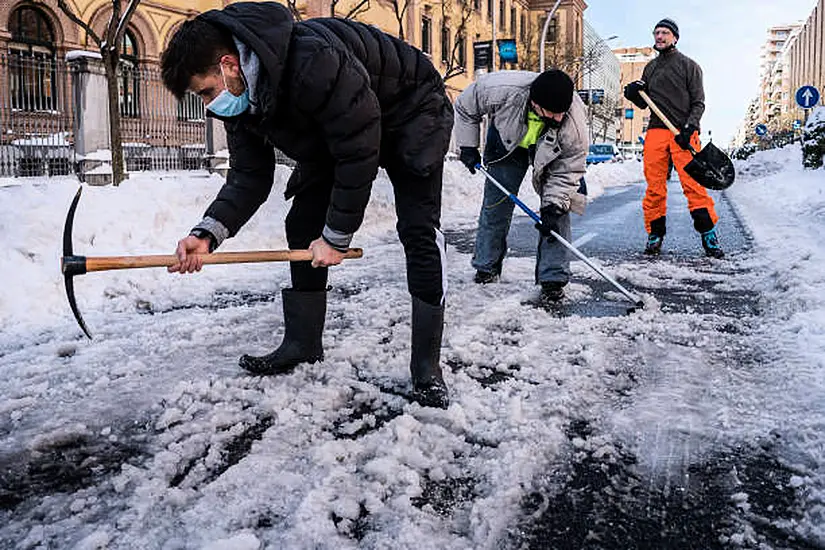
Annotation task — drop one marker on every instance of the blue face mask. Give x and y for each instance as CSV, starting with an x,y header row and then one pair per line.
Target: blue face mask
x,y
227,104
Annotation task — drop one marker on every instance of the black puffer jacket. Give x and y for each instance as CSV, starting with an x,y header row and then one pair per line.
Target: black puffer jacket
x,y
331,93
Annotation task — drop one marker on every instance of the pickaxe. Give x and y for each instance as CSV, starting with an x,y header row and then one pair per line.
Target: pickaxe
x,y
72,265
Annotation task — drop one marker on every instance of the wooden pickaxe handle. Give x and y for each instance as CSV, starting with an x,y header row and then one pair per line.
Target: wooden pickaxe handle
x,y
106,263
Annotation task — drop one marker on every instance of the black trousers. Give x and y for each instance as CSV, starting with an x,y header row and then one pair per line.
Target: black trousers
x,y
418,210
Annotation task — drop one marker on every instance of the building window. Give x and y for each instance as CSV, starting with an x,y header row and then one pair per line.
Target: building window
x,y
129,89
426,35
490,9
461,50
552,29
513,21
477,5
523,28
502,16
446,49
32,78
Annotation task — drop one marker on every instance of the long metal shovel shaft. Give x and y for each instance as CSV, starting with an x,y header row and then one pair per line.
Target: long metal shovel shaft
x,y
629,295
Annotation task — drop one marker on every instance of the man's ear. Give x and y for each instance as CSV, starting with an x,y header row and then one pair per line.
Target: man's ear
x,y
231,65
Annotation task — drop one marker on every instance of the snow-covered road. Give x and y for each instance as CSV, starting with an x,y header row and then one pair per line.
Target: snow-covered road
x,y
674,426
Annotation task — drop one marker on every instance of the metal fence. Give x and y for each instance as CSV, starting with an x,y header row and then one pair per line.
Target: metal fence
x,y
159,131
37,120
35,116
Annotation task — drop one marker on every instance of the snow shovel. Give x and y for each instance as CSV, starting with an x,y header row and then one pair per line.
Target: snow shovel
x,y
536,218
71,265
710,167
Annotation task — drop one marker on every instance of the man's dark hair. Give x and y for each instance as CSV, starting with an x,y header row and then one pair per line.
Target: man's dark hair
x,y
195,49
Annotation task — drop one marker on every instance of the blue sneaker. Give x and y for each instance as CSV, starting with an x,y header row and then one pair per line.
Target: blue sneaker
x,y
654,244
710,242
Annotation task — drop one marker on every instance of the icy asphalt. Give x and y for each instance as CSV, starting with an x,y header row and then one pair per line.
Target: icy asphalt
x,y
582,427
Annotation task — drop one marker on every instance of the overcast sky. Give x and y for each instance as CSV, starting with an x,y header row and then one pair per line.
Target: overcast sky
x,y
725,37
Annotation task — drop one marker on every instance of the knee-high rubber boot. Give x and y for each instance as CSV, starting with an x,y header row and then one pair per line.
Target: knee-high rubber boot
x,y
304,314
429,389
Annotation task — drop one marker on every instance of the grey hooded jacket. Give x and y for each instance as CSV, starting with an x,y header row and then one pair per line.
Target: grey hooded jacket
x,y
561,154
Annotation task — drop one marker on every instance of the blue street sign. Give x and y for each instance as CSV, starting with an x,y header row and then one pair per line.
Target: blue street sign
x,y
797,124
507,50
807,97
628,114
761,129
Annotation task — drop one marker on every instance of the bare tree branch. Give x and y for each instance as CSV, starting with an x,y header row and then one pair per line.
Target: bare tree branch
x,y
111,26
454,65
293,7
67,11
399,11
360,7
124,20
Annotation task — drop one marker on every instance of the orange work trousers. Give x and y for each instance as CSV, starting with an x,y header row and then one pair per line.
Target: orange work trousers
x,y
660,148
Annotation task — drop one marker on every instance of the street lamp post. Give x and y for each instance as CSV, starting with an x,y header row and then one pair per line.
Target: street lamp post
x,y
550,15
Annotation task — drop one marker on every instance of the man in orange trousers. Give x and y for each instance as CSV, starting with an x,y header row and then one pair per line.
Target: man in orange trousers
x,y
674,82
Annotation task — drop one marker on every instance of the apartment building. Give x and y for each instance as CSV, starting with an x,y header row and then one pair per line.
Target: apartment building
x,y
807,57
774,81
634,121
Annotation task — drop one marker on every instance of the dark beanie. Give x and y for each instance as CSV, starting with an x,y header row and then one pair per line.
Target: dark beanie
x,y
668,24
553,91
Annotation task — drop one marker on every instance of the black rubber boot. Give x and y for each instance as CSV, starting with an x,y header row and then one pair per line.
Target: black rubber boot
x,y
658,229
552,291
429,389
304,314
702,221
483,277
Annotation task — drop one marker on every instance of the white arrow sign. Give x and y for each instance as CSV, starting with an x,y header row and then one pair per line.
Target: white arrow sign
x,y
807,97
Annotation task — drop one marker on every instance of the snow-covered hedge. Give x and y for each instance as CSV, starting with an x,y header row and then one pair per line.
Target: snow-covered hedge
x,y
813,141
743,152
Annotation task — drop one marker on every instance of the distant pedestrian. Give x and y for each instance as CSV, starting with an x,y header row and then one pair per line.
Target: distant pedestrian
x,y
674,83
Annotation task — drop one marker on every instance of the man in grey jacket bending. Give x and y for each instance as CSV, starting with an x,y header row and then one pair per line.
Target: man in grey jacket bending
x,y
533,119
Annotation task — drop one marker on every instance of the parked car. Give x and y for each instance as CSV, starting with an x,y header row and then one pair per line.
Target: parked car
x,y
603,152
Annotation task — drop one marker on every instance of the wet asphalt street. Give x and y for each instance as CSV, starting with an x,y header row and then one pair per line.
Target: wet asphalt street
x,y
668,482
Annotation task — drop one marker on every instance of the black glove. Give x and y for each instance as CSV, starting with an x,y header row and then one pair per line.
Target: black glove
x,y
631,92
683,139
470,157
550,216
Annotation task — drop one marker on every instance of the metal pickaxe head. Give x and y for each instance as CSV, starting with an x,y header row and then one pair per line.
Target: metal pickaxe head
x,y
72,265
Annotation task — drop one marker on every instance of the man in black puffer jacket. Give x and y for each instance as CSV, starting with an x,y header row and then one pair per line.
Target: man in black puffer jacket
x,y
341,98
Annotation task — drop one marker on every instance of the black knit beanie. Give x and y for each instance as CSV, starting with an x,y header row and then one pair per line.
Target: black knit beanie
x,y
668,24
553,91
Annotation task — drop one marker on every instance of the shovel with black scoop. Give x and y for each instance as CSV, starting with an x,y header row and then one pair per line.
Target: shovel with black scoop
x,y
72,265
710,167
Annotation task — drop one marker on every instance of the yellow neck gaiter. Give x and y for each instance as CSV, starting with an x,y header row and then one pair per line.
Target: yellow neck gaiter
x,y
535,125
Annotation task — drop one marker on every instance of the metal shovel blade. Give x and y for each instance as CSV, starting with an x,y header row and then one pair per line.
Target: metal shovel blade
x,y
711,168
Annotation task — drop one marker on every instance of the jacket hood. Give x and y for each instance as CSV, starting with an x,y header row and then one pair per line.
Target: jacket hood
x,y
266,27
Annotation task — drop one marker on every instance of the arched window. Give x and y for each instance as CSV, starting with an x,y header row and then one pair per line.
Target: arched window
x,y
129,94
32,64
